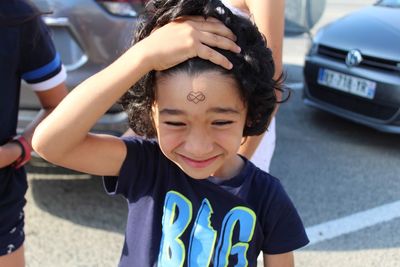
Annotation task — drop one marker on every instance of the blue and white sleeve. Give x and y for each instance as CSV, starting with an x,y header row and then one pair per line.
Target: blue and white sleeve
x,y
41,65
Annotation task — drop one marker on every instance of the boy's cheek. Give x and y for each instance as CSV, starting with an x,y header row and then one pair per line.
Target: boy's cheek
x,y
169,141
231,137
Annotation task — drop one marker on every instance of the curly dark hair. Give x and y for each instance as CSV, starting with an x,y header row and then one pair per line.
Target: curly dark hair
x,y
253,68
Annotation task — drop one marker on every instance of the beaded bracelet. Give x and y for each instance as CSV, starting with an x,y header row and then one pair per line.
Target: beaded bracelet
x,y
26,152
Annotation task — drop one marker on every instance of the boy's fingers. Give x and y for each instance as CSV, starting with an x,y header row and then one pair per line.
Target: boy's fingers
x,y
213,25
200,19
210,54
217,28
215,40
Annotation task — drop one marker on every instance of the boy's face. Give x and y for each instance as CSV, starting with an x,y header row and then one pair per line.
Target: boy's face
x,y
199,121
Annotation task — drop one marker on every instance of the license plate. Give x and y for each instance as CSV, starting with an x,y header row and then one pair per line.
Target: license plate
x,y
347,83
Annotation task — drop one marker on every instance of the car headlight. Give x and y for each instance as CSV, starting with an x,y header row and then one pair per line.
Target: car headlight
x,y
122,8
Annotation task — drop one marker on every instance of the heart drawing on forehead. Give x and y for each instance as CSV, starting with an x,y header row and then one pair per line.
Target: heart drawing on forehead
x,y
196,97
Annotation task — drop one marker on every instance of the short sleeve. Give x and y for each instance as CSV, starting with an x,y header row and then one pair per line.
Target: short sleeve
x,y
138,171
40,64
284,230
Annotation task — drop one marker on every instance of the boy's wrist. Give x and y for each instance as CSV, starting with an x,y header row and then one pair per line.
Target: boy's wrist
x,y
25,151
141,53
133,64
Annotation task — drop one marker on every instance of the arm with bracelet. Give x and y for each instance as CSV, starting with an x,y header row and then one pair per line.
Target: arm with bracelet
x,y
25,151
36,62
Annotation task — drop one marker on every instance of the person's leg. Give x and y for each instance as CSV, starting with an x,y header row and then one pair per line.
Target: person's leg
x,y
11,244
14,259
263,155
13,186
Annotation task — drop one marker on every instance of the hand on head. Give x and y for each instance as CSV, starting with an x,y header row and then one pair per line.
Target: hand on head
x,y
189,37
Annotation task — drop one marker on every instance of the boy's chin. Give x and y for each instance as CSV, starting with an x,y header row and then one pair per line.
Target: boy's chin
x,y
196,174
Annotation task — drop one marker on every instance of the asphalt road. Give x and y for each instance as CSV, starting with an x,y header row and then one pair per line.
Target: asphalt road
x,y
334,170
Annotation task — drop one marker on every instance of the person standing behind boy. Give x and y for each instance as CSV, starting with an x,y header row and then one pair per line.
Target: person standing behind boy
x,y
198,79
269,16
27,52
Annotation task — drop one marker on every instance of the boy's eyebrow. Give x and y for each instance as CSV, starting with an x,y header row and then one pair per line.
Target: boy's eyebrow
x,y
170,111
223,110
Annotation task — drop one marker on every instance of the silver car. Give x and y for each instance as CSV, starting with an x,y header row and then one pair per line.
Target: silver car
x,y
353,67
89,35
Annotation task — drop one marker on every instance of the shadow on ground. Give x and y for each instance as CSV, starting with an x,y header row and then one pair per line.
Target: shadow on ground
x,y
76,197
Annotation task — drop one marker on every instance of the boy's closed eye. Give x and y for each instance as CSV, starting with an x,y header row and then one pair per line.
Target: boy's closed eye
x,y
214,123
175,123
222,123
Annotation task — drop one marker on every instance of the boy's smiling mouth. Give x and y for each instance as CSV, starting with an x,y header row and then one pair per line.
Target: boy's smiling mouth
x,y
194,163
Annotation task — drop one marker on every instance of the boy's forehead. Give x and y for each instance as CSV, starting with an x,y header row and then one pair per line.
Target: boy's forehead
x,y
195,88
200,89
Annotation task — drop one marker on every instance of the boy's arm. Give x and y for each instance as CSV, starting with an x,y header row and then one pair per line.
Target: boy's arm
x,y
279,260
63,137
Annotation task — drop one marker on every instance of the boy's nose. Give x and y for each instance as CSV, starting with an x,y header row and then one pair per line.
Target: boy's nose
x,y
198,143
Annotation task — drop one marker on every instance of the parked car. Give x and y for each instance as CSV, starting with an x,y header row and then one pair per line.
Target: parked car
x,y
353,67
89,35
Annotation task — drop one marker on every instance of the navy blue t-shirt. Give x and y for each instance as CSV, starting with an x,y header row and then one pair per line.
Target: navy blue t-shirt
x,y
175,220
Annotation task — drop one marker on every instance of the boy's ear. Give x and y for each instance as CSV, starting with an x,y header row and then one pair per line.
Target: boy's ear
x,y
152,115
244,139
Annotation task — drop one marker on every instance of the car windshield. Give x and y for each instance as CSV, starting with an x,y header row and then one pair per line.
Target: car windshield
x,y
389,3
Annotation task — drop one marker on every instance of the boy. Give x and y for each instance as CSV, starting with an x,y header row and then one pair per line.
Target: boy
x,y
193,201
